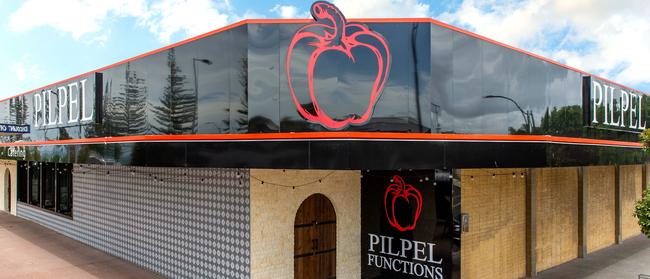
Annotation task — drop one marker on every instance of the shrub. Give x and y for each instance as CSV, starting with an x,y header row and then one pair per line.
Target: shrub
x,y
642,212
644,137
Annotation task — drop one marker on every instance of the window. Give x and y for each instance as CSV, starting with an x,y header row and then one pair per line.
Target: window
x,y
48,181
22,181
64,189
46,185
35,183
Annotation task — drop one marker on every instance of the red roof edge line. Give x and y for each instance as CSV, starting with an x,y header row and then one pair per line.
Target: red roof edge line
x,y
364,20
331,136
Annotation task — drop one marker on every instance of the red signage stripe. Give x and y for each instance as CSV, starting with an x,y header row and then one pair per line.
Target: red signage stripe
x,y
332,136
362,20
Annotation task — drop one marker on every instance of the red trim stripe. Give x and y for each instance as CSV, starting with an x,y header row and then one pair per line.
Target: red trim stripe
x,y
332,136
294,21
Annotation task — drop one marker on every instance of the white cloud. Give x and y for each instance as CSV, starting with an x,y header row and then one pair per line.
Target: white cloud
x,y
609,38
247,15
382,8
288,11
191,17
164,18
24,71
77,17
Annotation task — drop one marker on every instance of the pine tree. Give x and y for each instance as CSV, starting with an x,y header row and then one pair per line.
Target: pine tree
x,y
177,113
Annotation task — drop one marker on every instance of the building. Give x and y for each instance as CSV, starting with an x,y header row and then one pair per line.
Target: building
x,y
371,148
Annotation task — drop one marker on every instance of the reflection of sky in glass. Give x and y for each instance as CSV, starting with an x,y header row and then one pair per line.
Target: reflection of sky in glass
x,y
264,73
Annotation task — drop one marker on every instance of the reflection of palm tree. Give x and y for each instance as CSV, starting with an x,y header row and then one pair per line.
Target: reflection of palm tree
x,y
177,113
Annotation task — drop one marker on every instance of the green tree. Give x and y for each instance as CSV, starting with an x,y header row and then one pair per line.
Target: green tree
x,y
644,137
642,212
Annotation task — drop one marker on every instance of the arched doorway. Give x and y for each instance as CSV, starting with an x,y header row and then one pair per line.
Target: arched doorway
x,y
8,190
315,239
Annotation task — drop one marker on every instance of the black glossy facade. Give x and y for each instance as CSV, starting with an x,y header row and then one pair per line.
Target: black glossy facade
x,y
441,81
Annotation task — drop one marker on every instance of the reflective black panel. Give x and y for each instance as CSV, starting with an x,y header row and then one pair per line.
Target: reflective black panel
x,y
256,78
263,76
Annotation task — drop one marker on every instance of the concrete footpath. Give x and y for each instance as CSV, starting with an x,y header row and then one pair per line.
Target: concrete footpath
x,y
627,260
29,250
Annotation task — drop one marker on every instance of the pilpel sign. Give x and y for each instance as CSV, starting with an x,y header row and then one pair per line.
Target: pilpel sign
x,y
610,106
68,104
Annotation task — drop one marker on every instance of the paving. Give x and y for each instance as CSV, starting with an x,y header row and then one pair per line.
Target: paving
x,y
29,250
627,260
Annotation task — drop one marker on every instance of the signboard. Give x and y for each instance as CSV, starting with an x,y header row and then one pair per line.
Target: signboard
x,y
332,40
17,152
14,129
612,107
406,225
68,104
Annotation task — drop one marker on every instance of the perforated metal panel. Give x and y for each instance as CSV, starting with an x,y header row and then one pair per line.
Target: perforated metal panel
x,y
179,222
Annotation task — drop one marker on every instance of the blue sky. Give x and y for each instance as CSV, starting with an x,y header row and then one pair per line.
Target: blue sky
x,y
44,41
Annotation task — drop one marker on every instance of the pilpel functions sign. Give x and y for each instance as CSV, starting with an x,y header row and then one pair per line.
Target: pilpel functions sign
x,y
67,104
406,226
612,107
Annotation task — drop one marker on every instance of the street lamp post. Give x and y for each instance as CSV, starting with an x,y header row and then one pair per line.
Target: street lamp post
x,y
196,90
525,115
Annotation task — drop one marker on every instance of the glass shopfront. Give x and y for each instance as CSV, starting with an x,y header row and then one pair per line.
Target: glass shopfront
x,y
46,185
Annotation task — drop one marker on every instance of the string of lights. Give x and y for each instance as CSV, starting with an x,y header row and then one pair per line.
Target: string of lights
x,y
167,177
319,180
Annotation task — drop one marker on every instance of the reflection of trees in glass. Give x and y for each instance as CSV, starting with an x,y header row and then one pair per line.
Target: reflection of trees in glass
x,y
178,110
566,121
242,112
127,112
63,133
18,114
18,110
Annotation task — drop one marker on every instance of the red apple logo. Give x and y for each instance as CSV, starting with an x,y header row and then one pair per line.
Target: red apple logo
x,y
400,190
332,33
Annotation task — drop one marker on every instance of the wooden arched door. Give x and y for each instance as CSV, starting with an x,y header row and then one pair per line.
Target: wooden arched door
x,y
315,239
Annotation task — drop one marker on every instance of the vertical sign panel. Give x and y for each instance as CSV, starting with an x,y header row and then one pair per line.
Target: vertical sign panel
x,y
407,225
